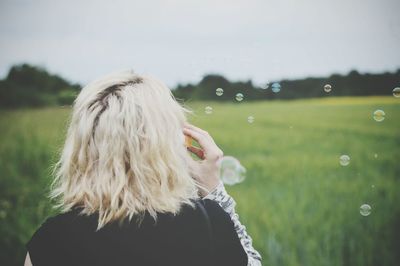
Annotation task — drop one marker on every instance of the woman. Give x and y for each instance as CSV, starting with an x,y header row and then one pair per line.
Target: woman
x,y
129,191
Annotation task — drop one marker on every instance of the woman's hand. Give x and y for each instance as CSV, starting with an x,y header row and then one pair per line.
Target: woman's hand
x,y
206,171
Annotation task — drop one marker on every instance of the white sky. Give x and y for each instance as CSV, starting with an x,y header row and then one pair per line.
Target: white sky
x,y
179,40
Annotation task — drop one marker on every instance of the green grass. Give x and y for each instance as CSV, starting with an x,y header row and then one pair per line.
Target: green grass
x,y
299,204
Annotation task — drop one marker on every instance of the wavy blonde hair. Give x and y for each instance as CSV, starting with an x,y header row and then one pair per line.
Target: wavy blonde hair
x,y
124,153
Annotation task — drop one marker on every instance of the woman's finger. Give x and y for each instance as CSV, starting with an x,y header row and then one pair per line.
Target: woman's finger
x,y
201,131
200,138
210,149
197,129
199,152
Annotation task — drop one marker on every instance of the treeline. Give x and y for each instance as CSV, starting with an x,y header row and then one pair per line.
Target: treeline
x,y
27,85
352,84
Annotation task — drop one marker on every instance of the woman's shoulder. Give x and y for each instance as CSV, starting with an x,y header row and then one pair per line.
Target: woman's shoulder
x,y
53,225
52,221
215,211
212,208
60,218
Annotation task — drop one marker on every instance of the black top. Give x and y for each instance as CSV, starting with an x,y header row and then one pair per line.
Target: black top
x,y
184,239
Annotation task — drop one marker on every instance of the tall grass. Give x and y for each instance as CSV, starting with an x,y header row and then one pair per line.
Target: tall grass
x,y
299,204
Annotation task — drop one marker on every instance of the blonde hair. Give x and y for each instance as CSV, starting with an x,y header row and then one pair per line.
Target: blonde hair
x,y
124,153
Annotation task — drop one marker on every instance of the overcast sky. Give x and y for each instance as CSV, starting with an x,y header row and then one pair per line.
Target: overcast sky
x,y
179,40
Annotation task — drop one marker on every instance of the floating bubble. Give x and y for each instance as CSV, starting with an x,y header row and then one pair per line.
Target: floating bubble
x,y
375,155
379,115
264,86
372,186
242,175
219,91
239,97
396,92
344,160
327,88
365,210
276,87
250,119
208,110
231,172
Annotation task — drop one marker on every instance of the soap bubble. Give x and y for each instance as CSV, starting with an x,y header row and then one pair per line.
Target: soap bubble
x,y
239,97
396,92
379,115
365,210
231,172
327,88
219,91
208,110
250,119
264,86
344,160
276,87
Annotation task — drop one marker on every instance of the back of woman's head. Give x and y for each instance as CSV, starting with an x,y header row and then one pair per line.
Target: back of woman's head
x,y
124,152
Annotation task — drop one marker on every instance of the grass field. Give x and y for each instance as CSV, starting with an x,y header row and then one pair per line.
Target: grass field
x,y
299,204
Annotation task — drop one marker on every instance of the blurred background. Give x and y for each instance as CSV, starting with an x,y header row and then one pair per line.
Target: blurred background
x,y
305,94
